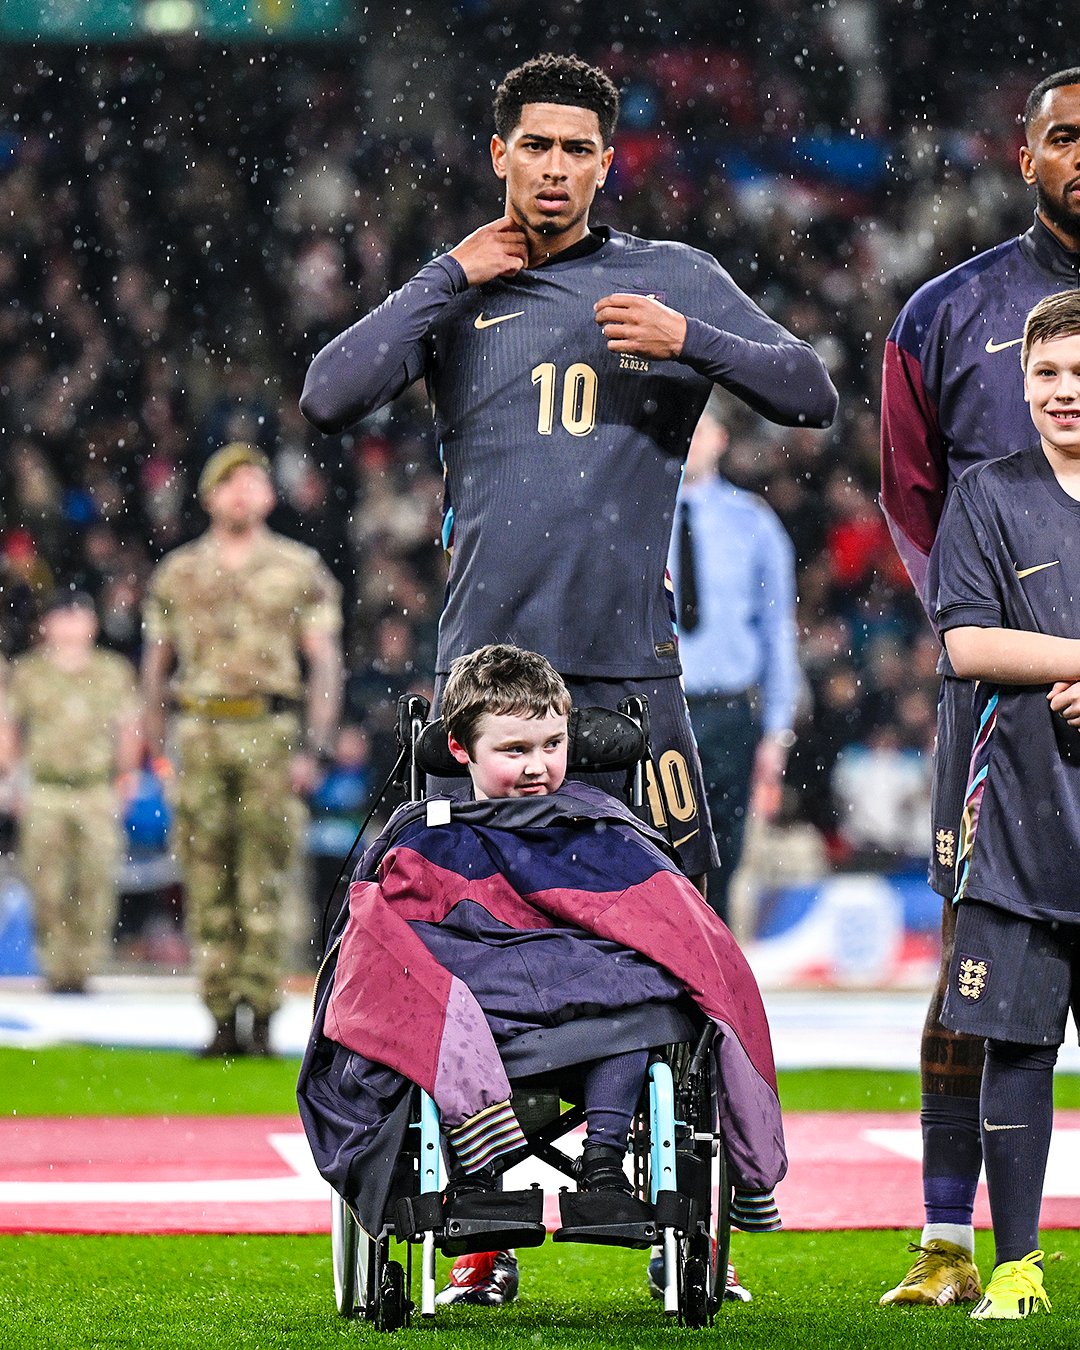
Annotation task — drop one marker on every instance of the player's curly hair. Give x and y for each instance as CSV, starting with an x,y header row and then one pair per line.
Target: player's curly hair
x,y
556,79
500,678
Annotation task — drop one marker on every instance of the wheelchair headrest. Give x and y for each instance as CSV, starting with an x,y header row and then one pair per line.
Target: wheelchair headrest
x,y
600,741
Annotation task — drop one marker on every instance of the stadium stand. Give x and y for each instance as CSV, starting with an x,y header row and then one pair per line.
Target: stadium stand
x,y
182,227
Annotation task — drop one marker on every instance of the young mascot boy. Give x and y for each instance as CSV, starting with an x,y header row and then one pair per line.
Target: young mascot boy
x,y
506,713
1008,603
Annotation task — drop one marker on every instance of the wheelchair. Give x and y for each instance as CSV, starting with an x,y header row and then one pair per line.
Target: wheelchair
x,y
679,1165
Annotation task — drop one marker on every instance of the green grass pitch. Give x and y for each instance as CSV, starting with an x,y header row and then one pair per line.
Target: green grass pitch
x,y
810,1289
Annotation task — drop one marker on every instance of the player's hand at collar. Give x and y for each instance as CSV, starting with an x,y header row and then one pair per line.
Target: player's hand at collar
x,y
497,249
641,325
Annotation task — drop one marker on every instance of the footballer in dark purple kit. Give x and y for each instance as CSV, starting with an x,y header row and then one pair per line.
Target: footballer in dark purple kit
x,y
567,367
952,396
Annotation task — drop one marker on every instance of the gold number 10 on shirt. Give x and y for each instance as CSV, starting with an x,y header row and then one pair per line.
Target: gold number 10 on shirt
x,y
579,387
674,790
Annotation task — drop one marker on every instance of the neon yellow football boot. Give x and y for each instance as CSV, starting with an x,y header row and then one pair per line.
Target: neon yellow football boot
x,y
1015,1290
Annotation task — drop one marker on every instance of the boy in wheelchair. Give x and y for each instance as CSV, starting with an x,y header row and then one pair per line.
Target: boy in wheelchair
x,y
540,906
506,716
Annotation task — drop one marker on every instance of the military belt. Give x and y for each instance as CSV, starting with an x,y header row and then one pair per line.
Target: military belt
x,y
70,780
238,709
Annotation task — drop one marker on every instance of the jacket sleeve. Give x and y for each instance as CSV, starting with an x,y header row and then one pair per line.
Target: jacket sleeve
x,y
394,1003
369,364
914,473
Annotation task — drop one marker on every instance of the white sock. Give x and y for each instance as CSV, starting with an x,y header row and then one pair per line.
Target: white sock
x,y
959,1234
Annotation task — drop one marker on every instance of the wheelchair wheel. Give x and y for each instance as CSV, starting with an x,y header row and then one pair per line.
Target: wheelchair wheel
x,y
392,1306
721,1225
694,1299
703,1174
353,1253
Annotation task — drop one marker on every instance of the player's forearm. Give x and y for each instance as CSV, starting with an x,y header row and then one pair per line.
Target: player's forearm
x,y
373,361
1012,655
784,381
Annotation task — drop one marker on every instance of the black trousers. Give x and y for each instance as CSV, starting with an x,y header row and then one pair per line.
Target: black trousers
x,y
727,730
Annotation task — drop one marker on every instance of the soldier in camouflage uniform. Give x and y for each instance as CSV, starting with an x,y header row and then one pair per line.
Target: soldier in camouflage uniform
x,y
71,715
233,611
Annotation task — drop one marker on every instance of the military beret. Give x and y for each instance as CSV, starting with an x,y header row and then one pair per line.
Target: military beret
x,y
68,598
224,461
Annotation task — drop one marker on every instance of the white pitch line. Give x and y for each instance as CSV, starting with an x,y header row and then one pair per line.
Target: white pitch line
x,y
1062,1166
303,1184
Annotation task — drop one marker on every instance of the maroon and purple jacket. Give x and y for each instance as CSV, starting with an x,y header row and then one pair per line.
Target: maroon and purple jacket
x,y
570,892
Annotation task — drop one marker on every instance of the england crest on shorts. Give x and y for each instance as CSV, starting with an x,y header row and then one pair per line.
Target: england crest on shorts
x,y
971,977
945,847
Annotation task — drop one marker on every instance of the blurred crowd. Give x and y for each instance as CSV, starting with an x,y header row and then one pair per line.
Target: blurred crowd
x,y
182,228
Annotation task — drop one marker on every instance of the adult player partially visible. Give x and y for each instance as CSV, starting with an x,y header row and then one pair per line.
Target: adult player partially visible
x,y
952,396
568,366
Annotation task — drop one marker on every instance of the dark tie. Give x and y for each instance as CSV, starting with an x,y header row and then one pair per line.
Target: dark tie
x,y
689,614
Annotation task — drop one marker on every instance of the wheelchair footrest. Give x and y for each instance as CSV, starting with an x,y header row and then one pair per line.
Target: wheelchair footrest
x,y
675,1210
607,1218
493,1221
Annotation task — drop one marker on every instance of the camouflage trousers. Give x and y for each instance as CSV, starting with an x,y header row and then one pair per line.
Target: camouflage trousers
x,y
233,831
69,852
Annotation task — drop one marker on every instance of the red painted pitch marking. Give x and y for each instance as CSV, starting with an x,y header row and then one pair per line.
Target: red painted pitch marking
x,y
841,1175
219,1174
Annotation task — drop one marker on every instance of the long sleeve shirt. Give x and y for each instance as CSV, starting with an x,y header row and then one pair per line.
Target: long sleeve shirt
x,y
745,568
952,387
562,459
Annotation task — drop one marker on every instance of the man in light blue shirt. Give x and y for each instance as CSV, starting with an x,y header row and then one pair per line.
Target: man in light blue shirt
x,y
733,568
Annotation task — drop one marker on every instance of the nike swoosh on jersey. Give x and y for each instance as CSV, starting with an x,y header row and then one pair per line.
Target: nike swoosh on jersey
x,y
481,322
992,346
1039,567
679,842
988,1126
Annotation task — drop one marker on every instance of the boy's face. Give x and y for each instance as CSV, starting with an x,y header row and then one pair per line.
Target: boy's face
x,y
516,756
1052,389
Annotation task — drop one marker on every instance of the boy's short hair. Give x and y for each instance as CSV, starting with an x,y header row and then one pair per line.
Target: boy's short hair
x,y
500,678
556,79
1056,316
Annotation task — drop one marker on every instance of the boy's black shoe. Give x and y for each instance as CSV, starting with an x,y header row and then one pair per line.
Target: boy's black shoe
x,y
601,1169
481,1182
